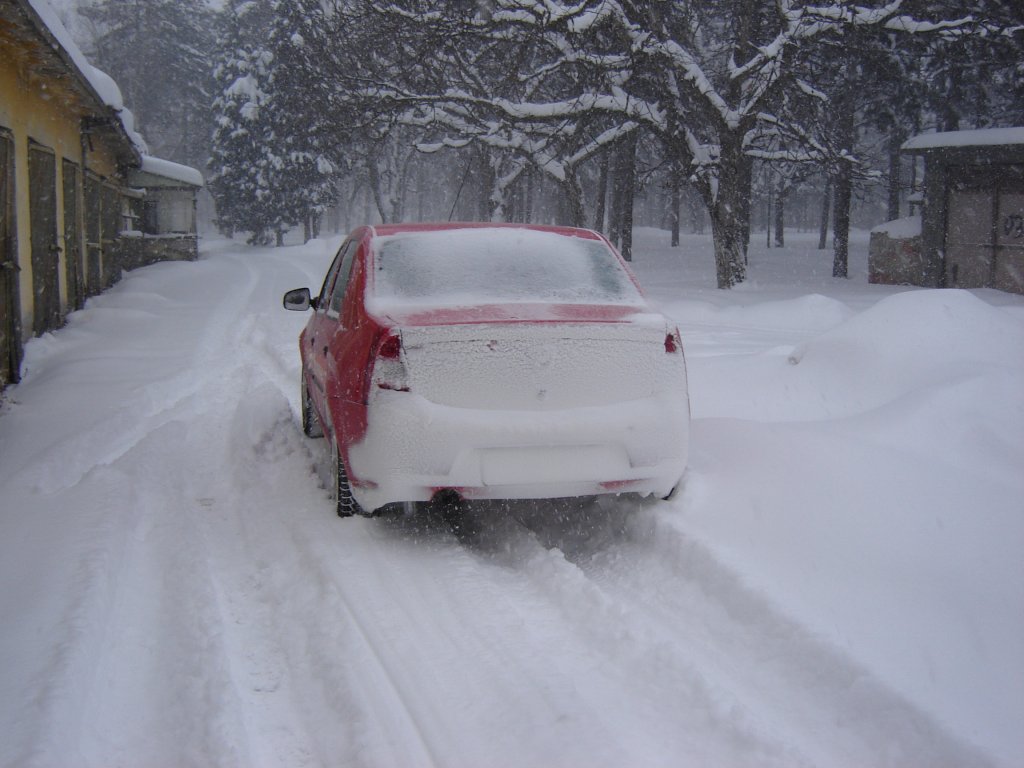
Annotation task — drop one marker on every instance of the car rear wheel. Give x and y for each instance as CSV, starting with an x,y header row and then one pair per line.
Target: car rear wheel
x,y
310,422
345,503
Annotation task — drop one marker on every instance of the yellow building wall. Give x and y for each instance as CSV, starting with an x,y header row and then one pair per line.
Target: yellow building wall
x,y
48,112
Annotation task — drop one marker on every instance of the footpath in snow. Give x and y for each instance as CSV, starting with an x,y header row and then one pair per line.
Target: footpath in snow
x,y
839,584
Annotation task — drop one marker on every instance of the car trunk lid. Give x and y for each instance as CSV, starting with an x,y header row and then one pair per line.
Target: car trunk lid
x,y
531,363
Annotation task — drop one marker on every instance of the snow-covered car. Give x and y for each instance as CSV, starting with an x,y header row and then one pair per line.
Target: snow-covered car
x,y
490,361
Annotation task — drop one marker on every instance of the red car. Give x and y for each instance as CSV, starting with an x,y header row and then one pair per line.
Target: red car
x,y
490,361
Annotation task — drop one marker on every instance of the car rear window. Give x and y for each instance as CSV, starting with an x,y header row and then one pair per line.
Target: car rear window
x,y
483,266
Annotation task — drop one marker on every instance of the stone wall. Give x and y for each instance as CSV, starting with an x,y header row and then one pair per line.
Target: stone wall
x,y
135,252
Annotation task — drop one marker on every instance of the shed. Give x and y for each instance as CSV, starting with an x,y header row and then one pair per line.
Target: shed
x,y
167,219
972,220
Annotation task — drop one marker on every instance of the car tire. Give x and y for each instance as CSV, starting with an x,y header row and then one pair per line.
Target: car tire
x,y
310,421
344,502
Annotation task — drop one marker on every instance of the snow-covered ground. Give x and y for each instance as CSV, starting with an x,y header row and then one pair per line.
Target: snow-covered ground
x,y
839,584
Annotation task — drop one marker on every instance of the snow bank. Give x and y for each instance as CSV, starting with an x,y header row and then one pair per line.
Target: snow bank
x,y
869,480
907,343
812,312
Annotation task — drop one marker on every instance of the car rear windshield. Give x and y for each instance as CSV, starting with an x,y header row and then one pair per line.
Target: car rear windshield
x,y
485,266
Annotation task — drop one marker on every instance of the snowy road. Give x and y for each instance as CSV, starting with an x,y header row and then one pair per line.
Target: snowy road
x,y
177,592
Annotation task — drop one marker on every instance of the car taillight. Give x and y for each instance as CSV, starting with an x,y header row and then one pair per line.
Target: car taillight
x,y
673,342
391,347
388,368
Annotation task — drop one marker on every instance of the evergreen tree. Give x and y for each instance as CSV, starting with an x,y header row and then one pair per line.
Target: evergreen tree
x,y
240,181
300,134
159,53
271,161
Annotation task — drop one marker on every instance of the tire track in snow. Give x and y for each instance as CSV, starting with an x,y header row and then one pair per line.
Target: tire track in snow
x,y
157,402
98,648
529,537
76,605
417,653
687,619
624,722
276,588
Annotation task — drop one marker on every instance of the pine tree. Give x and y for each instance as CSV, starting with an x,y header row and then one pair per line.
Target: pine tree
x,y
271,161
159,53
302,180
240,181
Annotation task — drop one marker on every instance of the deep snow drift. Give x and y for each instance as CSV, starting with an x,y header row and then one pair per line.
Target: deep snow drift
x,y
840,583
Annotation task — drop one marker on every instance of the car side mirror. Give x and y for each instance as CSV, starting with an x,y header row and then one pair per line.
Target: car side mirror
x,y
298,300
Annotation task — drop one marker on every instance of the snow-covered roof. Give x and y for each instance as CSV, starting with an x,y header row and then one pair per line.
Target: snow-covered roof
x,y
170,170
101,83
900,229
984,137
108,92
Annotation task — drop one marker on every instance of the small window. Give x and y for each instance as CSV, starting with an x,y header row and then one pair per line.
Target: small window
x,y
150,223
325,289
129,215
341,283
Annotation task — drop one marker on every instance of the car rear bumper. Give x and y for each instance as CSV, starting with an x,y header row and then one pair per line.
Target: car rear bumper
x,y
414,448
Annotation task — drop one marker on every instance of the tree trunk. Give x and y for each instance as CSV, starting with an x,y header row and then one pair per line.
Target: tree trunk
x,y
841,231
485,185
420,197
573,199
780,214
696,213
528,196
895,141
730,256
624,193
629,196
730,211
675,203
614,201
950,116
602,192
378,197
826,208
846,134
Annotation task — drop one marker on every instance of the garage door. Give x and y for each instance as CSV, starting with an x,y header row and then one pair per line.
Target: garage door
x,y
42,192
9,341
985,233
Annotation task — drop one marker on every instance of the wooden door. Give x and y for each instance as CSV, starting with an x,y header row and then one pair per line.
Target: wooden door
x,y
93,246
10,342
1009,273
970,232
72,235
110,227
42,195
